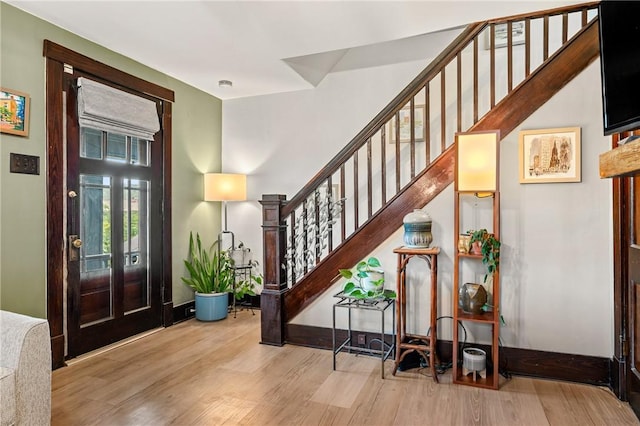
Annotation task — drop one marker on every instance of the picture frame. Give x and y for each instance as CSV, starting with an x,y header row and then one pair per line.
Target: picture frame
x,y
550,155
405,125
14,112
517,35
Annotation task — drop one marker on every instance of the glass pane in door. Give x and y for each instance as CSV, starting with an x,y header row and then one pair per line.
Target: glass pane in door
x,y
116,147
96,286
90,143
139,152
135,213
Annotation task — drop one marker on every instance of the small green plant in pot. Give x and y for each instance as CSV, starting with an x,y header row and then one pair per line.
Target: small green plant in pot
x,y
366,280
489,249
246,284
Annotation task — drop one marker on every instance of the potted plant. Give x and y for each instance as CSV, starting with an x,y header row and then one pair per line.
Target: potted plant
x,y
366,281
211,275
489,248
249,275
241,255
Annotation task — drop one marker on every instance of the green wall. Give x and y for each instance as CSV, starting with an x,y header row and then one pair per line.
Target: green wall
x,y
196,150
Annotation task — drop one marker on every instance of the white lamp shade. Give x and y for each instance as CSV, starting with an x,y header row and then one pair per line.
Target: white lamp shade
x,y
225,187
477,161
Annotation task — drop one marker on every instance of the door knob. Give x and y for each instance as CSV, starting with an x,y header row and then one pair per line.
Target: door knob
x,y
74,248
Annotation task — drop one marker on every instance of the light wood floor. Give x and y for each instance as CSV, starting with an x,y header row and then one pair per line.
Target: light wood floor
x,y
217,373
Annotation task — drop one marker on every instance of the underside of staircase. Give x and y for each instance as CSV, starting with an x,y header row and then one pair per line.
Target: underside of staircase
x,y
536,89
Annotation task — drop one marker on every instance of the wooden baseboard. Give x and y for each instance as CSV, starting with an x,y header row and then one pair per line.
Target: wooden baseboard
x,y
184,311
524,362
57,351
167,314
618,379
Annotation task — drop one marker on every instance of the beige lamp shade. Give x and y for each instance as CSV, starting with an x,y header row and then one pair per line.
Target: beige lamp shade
x,y
477,161
225,187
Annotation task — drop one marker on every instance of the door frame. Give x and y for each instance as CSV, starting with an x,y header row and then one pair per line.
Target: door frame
x,y
57,57
620,283
622,224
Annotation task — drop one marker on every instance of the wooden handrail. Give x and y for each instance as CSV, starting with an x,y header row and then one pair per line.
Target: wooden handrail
x,y
544,13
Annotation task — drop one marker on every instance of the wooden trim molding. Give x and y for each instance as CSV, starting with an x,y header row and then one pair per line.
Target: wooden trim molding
x,y
524,362
63,55
184,311
55,210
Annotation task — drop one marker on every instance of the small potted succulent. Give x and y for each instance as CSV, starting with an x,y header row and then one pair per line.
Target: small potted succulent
x,y
366,280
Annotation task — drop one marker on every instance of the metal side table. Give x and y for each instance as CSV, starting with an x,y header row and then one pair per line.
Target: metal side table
x,y
373,304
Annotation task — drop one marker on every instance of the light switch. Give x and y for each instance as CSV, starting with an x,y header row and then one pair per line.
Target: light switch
x,y
21,163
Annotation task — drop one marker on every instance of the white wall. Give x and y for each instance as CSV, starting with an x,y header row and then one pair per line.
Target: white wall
x,y
557,291
281,141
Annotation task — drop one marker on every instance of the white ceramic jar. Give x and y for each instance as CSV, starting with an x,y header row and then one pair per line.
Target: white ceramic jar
x,y
417,229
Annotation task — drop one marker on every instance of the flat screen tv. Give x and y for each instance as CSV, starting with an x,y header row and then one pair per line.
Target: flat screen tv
x,y
620,64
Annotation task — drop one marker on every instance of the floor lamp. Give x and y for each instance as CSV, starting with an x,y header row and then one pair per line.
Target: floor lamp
x,y
225,187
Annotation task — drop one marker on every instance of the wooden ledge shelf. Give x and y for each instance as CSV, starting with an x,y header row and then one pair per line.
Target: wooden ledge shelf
x,y
487,382
621,161
487,317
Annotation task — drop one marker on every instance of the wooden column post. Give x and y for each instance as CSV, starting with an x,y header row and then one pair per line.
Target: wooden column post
x,y
275,277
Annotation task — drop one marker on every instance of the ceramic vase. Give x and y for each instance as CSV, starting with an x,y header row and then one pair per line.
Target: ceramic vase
x,y
417,229
472,297
476,247
241,257
464,243
372,281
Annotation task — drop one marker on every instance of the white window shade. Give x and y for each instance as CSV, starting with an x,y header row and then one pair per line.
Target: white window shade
x,y
105,108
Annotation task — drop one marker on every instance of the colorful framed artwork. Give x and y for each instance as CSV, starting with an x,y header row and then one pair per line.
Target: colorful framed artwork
x,y
550,155
405,125
14,112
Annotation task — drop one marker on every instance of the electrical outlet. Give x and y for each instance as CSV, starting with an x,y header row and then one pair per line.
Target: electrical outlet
x,y
28,164
362,339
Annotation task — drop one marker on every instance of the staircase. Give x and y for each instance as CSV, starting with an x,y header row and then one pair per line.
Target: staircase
x,y
359,199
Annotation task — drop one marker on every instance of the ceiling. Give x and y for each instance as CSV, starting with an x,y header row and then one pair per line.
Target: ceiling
x,y
263,47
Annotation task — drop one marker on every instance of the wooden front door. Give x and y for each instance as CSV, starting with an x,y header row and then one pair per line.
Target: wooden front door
x,y
114,229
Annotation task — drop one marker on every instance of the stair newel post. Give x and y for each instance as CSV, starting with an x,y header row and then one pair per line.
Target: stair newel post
x,y
274,242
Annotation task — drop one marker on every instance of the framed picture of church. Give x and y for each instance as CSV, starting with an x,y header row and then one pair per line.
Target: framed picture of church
x,y
14,112
550,155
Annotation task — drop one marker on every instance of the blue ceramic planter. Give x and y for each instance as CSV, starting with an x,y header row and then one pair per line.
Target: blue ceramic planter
x,y
211,306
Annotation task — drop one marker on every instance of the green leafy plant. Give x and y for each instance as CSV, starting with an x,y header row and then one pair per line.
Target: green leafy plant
x,y
210,270
246,284
366,281
489,248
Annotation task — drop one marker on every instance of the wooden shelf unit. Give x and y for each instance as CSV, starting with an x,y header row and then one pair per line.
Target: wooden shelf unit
x,y
491,318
